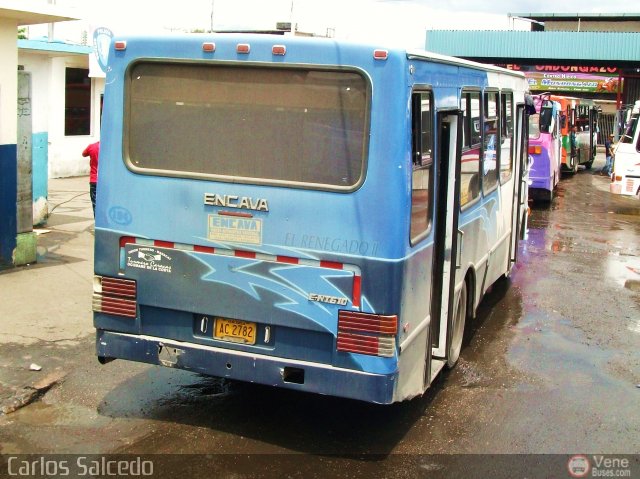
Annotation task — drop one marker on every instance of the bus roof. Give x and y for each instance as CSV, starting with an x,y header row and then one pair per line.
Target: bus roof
x,y
411,54
436,57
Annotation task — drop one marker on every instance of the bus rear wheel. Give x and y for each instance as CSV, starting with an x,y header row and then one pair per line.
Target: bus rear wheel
x,y
457,328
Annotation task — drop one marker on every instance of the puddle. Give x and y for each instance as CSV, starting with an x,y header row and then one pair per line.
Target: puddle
x,y
550,347
623,270
159,389
204,390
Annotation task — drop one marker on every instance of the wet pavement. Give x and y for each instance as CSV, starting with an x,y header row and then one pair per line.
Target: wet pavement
x,y
550,366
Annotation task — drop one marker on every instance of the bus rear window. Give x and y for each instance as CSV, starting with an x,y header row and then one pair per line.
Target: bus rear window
x,y
249,124
534,126
630,130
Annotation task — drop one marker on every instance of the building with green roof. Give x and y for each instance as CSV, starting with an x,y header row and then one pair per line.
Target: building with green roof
x,y
587,55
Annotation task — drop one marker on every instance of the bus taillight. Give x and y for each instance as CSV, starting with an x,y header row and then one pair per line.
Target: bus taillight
x,y
115,296
535,150
364,333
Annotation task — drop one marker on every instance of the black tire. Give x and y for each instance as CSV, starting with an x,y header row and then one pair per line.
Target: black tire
x,y
571,166
456,334
588,164
547,196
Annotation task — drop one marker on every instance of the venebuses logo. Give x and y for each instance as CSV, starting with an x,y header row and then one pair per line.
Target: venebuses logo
x,y
120,215
579,466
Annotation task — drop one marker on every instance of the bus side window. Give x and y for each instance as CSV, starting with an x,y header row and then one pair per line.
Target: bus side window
x,y
470,160
422,174
490,142
506,119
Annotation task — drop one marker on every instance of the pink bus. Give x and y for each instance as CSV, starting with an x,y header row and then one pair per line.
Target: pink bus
x,y
545,148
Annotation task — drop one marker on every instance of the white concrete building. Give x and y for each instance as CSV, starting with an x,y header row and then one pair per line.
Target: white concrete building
x,y
66,102
66,107
17,241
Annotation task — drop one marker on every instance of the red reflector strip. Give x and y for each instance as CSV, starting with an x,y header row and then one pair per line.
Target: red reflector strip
x,y
331,265
357,280
371,323
163,244
243,48
204,249
125,240
279,50
120,45
287,259
208,47
357,291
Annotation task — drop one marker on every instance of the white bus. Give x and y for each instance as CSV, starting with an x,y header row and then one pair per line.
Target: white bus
x,y
625,179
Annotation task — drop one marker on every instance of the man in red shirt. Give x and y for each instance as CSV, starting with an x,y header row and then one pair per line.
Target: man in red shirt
x,y
93,151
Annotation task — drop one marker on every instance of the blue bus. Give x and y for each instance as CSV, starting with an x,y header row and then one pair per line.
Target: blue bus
x,y
303,213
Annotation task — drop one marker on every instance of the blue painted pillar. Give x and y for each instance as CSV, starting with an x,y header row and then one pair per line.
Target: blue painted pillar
x,y
8,204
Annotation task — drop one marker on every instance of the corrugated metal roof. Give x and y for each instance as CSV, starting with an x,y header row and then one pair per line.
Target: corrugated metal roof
x,y
591,46
575,16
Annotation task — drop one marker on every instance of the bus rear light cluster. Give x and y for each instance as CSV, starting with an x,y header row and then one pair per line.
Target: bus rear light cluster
x,y
629,185
115,296
535,150
364,333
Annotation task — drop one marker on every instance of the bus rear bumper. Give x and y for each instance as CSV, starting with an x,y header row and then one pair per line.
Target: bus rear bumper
x,y
242,366
541,183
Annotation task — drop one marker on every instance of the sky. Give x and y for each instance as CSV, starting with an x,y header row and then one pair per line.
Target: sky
x,y
388,22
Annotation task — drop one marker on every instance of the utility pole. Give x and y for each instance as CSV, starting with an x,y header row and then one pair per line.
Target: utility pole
x,y
293,25
212,6
50,29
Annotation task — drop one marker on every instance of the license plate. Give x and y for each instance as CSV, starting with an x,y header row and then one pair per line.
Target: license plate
x,y
235,331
